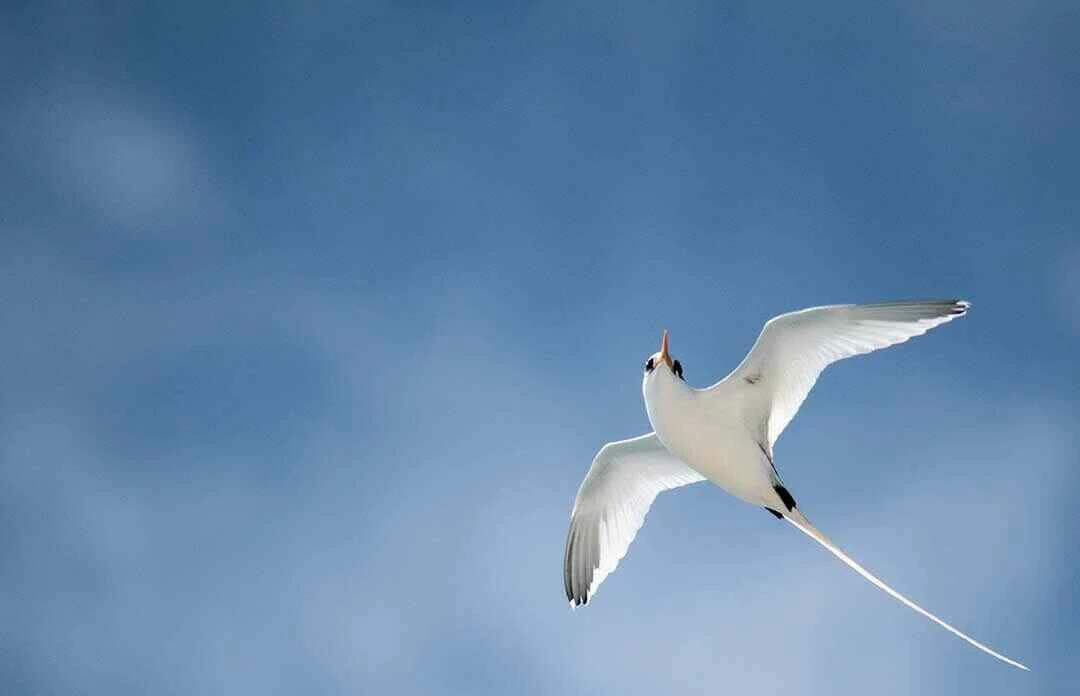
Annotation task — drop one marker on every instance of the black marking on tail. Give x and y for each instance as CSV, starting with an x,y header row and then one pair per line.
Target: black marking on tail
x,y
785,497
775,514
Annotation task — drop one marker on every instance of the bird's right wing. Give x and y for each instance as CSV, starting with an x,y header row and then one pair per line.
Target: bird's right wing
x,y
793,349
610,508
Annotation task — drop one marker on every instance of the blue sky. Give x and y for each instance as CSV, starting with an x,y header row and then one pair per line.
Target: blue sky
x,y
315,318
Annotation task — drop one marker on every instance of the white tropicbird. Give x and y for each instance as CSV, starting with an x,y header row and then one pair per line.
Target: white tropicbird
x,y
726,434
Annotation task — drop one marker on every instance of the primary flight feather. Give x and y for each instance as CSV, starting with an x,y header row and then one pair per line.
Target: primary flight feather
x,y
726,433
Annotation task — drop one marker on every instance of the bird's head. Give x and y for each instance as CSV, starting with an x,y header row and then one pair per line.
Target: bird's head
x,y
662,362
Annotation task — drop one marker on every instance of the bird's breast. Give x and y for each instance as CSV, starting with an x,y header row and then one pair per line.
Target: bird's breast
x,y
710,441
682,423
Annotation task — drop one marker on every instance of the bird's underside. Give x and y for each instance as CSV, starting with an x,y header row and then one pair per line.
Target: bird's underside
x,y
726,433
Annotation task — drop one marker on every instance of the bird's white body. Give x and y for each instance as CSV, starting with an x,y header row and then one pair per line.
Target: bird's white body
x,y
710,433
726,433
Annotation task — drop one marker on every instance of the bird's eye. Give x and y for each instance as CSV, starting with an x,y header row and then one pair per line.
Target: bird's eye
x,y
677,368
649,365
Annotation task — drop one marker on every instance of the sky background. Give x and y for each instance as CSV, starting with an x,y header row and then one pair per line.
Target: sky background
x,y
315,316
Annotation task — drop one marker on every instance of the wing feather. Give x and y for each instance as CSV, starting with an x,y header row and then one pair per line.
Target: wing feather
x,y
793,349
610,508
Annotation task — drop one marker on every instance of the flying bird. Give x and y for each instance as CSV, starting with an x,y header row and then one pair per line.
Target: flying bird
x,y
726,434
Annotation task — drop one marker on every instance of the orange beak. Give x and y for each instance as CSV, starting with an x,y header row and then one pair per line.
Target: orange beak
x,y
664,355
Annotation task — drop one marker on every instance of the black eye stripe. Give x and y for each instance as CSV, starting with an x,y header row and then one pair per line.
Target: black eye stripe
x,y
676,367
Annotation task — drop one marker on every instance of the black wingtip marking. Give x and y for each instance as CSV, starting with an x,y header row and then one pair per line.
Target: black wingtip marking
x,y
775,514
785,497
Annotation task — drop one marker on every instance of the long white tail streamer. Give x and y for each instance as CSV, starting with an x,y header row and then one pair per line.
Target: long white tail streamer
x,y
799,521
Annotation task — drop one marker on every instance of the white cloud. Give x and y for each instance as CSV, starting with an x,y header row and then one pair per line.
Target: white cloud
x,y
136,165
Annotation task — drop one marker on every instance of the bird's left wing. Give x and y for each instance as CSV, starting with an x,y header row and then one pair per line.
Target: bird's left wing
x,y
776,375
610,508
